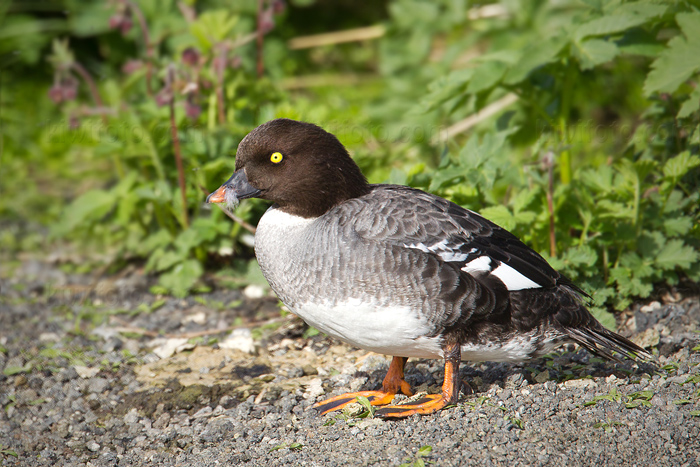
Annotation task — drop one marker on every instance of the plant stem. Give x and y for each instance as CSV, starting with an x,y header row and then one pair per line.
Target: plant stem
x,y
261,33
565,110
177,153
549,164
147,42
223,53
80,69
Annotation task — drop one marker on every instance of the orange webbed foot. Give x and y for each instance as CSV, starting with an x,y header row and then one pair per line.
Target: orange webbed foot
x,y
341,401
431,403
428,404
393,383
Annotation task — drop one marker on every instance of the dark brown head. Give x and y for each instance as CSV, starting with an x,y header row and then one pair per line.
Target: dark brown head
x,y
299,166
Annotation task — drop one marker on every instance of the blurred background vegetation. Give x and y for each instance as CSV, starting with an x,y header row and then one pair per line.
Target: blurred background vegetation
x,y
573,123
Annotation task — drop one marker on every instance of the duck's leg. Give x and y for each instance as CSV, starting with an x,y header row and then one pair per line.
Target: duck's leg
x,y
432,402
393,383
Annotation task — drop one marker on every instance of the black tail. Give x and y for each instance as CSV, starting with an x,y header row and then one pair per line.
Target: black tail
x,y
599,341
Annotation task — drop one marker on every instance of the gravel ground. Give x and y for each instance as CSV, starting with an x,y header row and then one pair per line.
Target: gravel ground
x,y
106,374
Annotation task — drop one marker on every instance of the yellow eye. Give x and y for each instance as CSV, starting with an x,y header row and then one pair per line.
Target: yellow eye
x,y
276,157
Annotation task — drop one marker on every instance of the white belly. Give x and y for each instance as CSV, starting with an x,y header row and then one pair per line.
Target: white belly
x,y
387,330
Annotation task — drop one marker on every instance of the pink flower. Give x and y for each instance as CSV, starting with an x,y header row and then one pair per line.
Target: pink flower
x,y
126,26
192,110
132,66
70,88
56,93
190,56
164,96
278,6
121,21
266,22
115,21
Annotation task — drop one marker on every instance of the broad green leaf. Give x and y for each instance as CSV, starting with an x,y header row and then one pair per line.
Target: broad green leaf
x,y
584,255
675,226
605,318
641,268
499,215
676,201
640,42
168,259
677,166
213,26
628,285
691,105
525,198
613,209
158,240
649,245
537,54
486,76
643,8
676,254
607,25
445,88
680,59
599,180
593,52
91,205
182,277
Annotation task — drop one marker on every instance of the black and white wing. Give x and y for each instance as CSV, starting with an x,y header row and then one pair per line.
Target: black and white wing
x,y
414,219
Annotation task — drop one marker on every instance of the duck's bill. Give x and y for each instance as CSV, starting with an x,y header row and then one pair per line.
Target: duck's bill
x,y
235,189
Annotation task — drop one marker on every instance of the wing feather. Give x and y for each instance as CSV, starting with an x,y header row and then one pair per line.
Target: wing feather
x,y
411,218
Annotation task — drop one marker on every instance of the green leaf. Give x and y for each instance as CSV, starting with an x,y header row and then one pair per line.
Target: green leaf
x,y
676,254
537,54
13,370
364,402
641,268
593,52
213,26
168,259
605,318
680,59
583,255
691,105
447,87
675,226
499,215
607,25
90,206
182,277
425,451
676,167
486,76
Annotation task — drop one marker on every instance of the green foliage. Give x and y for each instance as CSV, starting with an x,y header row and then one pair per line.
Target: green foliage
x,y
290,446
627,218
8,452
591,155
419,459
132,206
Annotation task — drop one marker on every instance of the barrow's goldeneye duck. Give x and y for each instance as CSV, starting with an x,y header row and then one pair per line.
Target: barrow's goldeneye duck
x,y
398,271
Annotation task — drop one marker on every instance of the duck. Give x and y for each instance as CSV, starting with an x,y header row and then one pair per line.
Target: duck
x,y
398,271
